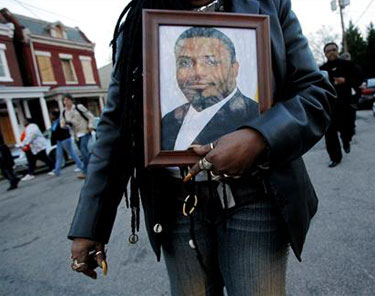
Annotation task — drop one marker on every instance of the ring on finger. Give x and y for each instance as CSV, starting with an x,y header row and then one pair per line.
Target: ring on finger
x,y
232,176
76,264
215,177
200,164
206,165
212,146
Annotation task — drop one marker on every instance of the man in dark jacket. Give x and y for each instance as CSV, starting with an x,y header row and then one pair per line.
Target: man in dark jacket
x,y
6,165
346,78
244,247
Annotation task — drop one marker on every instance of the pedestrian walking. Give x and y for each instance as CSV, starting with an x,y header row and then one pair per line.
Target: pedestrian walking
x,y
242,245
346,77
62,138
6,165
34,144
81,121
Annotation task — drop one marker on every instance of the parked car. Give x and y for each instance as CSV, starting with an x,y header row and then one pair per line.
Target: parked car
x,y
367,97
20,161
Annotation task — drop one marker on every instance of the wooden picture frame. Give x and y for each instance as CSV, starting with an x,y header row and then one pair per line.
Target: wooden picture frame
x,y
160,28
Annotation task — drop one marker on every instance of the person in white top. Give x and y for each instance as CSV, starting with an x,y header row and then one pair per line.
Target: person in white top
x,y
38,144
81,122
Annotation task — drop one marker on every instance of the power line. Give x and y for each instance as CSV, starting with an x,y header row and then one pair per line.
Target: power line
x,y
364,11
45,10
25,7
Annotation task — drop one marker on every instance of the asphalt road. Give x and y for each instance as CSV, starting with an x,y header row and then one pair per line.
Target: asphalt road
x,y
339,255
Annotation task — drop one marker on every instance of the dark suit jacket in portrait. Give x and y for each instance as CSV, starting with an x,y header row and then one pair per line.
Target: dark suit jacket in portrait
x,y
231,116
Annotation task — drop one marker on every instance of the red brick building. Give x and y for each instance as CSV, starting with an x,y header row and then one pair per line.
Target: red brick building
x,y
40,61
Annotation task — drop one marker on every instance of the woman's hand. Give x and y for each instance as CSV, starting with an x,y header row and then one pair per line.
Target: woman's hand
x,y
87,255
231,154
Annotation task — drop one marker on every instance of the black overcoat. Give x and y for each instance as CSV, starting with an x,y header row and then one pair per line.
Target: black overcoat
x,y
298,119
6,159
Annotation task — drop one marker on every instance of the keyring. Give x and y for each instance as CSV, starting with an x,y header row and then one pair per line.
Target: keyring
x,y
192,208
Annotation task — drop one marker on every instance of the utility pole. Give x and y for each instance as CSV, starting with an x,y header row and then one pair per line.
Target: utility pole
x,y
342,4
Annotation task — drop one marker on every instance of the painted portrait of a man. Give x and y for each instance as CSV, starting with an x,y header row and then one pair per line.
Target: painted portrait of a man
x,y
206,71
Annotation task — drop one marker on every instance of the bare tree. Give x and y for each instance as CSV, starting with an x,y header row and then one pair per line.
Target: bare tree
x,y
317,40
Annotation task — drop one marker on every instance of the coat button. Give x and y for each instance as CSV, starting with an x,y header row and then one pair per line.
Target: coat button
x,y
158,228
191,244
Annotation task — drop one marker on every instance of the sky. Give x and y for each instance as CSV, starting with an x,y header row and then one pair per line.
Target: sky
x,y
97,18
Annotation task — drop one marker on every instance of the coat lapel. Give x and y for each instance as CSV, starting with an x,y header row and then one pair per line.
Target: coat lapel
x,y
245,6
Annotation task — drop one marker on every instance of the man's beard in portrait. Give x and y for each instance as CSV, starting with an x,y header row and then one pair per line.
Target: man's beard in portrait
x,y
199,102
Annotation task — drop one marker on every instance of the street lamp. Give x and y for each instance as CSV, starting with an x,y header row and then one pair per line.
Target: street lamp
x,y
342,4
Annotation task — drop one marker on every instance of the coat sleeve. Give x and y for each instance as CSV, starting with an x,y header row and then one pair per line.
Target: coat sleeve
x,y
355,78
300,117
30,134
105,181
54,136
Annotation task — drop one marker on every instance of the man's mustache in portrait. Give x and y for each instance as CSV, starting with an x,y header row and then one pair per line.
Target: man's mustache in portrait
x,y
198,99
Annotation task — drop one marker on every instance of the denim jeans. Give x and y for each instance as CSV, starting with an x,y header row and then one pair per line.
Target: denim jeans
x,y
245,250
66,145
83,147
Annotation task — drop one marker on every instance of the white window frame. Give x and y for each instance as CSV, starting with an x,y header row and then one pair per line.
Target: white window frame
x,y
3,57
53,32
87,58
45,54
64,56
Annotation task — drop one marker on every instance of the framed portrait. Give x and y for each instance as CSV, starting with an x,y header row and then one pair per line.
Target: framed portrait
x,y
205,75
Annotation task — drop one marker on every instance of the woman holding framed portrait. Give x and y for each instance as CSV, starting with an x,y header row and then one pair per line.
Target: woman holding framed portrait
x,y
208,127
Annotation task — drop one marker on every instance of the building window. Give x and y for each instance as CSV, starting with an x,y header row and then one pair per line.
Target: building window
x,y
68,68
45,67
4,69
58,32
87,69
